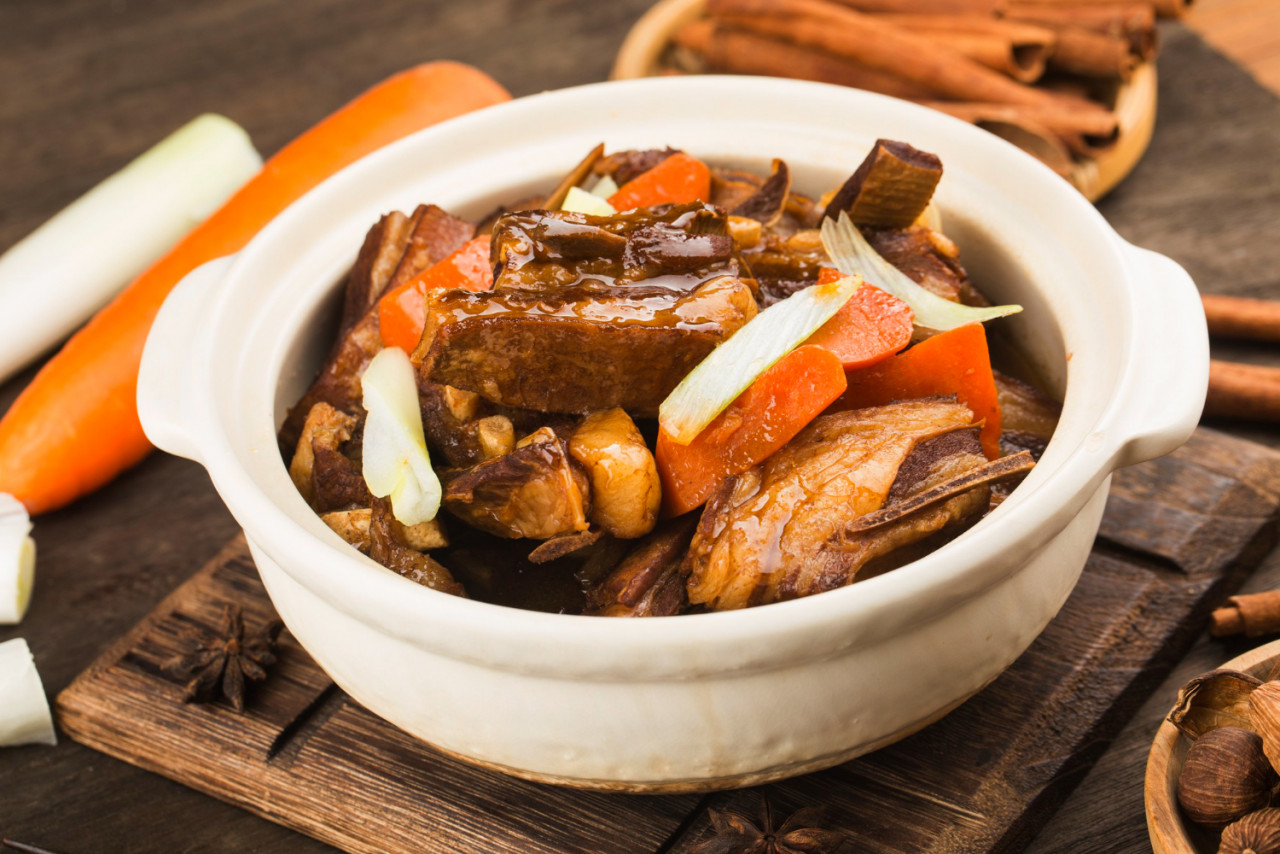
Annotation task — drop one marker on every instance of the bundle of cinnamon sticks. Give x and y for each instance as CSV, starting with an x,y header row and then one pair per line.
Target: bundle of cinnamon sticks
x,y
1041,73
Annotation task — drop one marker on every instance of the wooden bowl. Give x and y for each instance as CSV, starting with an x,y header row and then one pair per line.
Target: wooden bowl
x,y
642,50
1170,833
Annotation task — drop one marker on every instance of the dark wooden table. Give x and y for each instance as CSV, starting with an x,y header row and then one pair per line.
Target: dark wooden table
x,y
86,86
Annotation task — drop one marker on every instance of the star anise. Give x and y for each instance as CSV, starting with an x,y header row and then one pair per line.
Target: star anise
x,y
800,834
220,663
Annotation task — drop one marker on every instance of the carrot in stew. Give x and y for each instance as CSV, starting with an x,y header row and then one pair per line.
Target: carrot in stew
x,y
402,313
762,419
872,326
679,178
953,362
75,427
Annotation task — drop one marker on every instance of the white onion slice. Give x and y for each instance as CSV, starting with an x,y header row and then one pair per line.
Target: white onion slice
x,y
396,462
24,711
55,278
17,560
853,255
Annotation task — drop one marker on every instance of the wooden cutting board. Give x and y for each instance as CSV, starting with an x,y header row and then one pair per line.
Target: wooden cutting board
x,y
1179,534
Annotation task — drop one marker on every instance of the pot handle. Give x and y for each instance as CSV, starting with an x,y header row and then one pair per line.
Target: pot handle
x,y
1165,395
167,379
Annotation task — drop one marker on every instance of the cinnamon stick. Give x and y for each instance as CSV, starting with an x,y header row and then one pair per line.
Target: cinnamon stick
x,y
877,44
989,8
1101,125
1081,51
739,52
1013,48
1133,22
1163,8
1243,391
1241,317
1035,139
1251,614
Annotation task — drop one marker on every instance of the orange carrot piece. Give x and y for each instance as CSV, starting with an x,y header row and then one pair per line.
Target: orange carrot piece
x,y
761,420
679,178
871,327
402,314
954,362
76,426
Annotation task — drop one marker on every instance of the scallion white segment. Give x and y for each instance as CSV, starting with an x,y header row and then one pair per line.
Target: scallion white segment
x,y
17,560
396,463
55,278
748,353
852,254
24,709
580,201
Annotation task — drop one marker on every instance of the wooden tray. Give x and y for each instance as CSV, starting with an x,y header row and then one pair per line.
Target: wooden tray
x,y
1179,533
642,50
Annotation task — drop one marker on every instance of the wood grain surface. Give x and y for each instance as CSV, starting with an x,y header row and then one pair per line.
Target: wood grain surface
x,y
88,85
1178,533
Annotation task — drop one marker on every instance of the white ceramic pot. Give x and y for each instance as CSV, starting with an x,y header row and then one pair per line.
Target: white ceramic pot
x,y
714,700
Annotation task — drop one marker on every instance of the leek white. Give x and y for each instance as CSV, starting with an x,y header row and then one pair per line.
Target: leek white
x,y
853,255
17,560
55,278
396,462
580,201
24,709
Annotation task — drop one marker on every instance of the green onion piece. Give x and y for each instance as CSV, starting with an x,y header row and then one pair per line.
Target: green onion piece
x,y
727,371
853,255
396,462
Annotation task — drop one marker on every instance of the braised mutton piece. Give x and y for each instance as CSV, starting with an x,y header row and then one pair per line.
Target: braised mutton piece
x,y
388,545
787,528
573,352
649,582
588,312
395,250
536,491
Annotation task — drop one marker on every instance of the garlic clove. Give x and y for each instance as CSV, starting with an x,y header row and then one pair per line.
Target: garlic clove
x,y
24,712
1264,709
17,560
1219,698
1256,833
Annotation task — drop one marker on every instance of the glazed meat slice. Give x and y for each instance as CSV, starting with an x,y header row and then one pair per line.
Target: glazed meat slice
x,y
536,491
680,246
649,582
780,530
576,351
425,238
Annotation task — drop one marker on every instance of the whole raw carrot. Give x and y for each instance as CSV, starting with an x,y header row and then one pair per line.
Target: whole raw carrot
x,y
76,426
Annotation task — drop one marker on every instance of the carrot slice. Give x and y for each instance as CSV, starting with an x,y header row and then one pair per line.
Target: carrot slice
x,y
953,362
679,178
872,326
761,420
76,426
402,313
